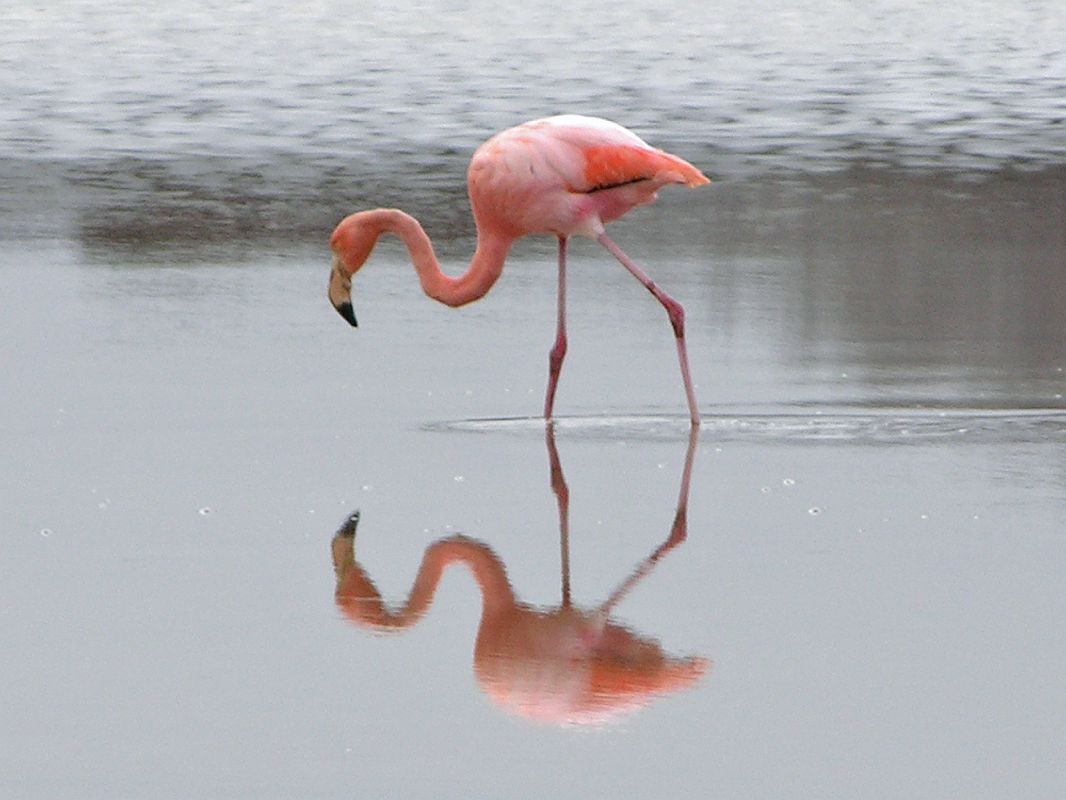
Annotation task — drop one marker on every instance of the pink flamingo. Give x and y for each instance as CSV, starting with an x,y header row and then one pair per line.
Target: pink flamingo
x,y
565,175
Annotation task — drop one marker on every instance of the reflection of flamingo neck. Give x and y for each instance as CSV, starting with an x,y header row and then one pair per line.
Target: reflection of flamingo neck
x,y
360,601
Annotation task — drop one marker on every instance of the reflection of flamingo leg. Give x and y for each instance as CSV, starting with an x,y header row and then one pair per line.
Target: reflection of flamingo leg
x,y
678,532
562,497
680,527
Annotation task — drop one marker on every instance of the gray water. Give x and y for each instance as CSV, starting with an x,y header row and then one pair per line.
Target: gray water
x,y
868,599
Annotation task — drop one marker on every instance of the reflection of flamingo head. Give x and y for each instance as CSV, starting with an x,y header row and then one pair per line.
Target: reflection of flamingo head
x,y
567,667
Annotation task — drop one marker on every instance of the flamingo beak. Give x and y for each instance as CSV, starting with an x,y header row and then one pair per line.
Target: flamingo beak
x,y
340,292
345,310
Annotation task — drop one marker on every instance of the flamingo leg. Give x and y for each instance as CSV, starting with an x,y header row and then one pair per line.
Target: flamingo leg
x,y
673,310
558,351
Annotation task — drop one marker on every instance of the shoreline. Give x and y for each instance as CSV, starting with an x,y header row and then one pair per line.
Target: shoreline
x,y
138,202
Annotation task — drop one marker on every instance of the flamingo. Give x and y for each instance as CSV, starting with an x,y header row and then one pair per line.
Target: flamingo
x,y
564,175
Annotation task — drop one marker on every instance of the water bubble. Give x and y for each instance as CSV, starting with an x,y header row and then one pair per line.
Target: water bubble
x,y
788,482
814,510
459,479
765,490
46,532
203,512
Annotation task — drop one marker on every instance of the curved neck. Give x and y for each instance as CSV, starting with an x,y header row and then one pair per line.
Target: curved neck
x,y
359,600
355,236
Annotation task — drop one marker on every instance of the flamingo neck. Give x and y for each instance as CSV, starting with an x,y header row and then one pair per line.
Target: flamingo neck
x,y
484,269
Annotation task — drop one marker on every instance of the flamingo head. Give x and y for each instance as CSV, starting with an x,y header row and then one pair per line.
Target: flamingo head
x,y
351,243
340,291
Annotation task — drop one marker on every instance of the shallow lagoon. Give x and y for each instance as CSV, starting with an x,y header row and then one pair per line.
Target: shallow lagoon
x,y
870,579
868,599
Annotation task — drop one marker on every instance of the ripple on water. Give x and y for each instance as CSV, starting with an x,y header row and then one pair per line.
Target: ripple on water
x,y
832,425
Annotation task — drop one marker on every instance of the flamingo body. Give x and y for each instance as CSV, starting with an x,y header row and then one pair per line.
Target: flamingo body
x,y
567,175
564,175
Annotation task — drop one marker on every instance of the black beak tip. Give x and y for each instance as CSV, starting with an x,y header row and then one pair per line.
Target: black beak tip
x,y
346,311
347,528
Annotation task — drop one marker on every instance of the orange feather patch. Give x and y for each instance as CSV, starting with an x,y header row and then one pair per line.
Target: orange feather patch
x,y
614,165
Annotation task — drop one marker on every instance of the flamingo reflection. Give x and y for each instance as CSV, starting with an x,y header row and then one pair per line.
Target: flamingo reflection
x,y
563,665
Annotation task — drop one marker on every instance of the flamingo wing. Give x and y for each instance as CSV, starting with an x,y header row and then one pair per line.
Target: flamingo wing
x,y
610,154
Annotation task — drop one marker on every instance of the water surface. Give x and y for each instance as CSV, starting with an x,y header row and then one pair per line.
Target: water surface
x,y
866,600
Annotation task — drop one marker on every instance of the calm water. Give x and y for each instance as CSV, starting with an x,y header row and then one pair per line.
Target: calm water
x,y
868,599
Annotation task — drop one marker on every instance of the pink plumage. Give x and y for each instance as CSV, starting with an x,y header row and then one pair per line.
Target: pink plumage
x,y
568,175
